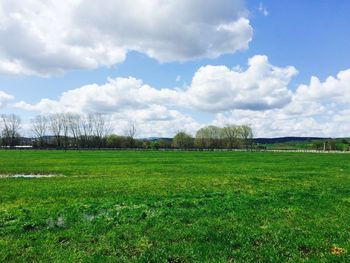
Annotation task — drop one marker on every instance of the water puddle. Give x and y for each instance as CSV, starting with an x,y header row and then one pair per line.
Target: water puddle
x,y
27,175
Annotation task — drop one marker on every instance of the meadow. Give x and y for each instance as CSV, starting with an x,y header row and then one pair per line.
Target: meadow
x,y
176,206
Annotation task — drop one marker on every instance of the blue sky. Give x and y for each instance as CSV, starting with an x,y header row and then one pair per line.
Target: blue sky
x,y
311,36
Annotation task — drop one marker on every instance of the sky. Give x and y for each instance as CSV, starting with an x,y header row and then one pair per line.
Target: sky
x,y
282,67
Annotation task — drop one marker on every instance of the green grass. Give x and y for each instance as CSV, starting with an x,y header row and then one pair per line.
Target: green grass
x,y
123,206
305,145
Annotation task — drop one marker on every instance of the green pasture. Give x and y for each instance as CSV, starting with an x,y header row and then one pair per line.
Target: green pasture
x,y
157,206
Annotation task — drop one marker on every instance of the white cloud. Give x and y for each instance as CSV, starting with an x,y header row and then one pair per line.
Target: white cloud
x,y
4,99
261,86
317,109
116,95
126,100
155,120
273,123
50,37
332,90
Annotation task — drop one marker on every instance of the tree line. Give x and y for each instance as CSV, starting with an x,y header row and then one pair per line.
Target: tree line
x,y
213,137
93,130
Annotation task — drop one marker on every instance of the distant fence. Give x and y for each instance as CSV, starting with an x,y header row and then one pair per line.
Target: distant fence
x,y
304,151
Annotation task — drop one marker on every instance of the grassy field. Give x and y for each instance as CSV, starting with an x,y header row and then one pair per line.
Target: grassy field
x,y
112,206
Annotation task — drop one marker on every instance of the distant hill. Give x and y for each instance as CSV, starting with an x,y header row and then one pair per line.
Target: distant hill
x,y
287,139
153,139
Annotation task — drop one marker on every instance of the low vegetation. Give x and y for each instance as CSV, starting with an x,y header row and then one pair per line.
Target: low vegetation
x,y
93,131
113,206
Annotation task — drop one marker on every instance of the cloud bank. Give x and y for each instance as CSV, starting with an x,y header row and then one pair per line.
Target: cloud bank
x,y
259,95
317,109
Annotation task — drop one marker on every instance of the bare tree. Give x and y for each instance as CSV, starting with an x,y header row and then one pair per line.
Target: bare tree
x,y
11,125
39,128
84,131
55,126
130,133
65,128
100,127
74,121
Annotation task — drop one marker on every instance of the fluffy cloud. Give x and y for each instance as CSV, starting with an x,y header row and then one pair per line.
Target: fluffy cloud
x,y
262,86
275,123
317,109
126,100
4,99
213,88
49,37
116,95
333,90
154,120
